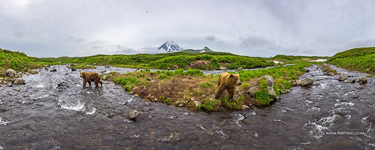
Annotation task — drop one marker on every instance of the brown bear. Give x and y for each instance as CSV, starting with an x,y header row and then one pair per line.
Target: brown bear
x,y
227,82
89,77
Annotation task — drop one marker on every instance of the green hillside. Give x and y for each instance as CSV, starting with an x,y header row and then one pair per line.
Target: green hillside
x,y
14,60
181,60
360,59
206,49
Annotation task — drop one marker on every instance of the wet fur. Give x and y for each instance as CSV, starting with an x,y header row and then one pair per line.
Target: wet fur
x,y
89,77
227,82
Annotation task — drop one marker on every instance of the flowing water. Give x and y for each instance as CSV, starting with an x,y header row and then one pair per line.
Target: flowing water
x,y
42,115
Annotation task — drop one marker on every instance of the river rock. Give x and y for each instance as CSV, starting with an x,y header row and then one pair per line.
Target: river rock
x,y
342,77
306,82
74,69
239,69
352,81
223,68
63,84
18,81
346,81
270,89
133,114
10,73
295,82
53,70
9,84
362,80
103,71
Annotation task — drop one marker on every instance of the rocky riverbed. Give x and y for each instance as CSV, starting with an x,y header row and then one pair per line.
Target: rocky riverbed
x,y
53,111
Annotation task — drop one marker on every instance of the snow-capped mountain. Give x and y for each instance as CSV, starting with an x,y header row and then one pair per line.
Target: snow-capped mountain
x,y
170,47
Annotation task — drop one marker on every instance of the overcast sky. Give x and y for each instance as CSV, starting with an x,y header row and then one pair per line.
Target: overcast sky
x,y
54,28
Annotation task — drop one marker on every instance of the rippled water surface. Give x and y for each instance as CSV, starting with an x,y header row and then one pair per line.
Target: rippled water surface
x,y
44,116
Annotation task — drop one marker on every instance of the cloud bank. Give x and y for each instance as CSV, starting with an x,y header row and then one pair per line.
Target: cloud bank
x,y
45,28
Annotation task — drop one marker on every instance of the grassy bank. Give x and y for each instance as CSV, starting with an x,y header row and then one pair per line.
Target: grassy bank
x,y
290,59
14,60
195,90
359,59
179,60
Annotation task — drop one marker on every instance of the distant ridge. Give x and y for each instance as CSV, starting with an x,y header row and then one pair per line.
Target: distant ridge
x,y
205,49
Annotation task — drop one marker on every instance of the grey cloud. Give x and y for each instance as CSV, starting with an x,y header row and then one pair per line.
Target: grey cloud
x,y
71,38
270,26
255,42
210,38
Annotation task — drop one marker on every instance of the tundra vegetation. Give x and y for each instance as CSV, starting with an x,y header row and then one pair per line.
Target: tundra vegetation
x,y
358,59
195,90
15,60
178,60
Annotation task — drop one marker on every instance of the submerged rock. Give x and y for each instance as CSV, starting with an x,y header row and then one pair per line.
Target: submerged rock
x,y
342,77
18,81
362,80
63,84
53,70
306,82
10,73
133,114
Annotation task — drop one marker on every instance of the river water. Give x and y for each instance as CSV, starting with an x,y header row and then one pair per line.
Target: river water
x,y
328,115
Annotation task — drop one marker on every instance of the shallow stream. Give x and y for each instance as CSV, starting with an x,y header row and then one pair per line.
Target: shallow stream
x,y
328,115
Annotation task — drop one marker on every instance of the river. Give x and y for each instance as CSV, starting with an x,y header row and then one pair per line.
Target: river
x,y
41,115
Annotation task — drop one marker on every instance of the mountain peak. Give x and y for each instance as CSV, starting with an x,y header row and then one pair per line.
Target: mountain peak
x,y
170,46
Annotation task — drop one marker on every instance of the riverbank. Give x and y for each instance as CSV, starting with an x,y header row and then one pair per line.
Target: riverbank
x,y
193,89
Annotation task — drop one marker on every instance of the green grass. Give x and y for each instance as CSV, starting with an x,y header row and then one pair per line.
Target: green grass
x,y
360,59
354,53
290,72
162,61
295,59
210,105
206,85
236,104
15,60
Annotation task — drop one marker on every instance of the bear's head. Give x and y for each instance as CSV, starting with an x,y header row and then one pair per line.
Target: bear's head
x,y
234,79
82,74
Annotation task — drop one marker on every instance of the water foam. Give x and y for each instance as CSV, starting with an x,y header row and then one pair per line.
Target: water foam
x,y
72,106
91,112
240,118
3,122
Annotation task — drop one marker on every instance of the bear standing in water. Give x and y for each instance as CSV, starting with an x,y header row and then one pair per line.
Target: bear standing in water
x,y
227,82
89,77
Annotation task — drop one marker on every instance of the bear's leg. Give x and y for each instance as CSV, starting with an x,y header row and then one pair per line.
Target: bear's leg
x,y
101,83
84,83
89,83
219,90
96,83
230,93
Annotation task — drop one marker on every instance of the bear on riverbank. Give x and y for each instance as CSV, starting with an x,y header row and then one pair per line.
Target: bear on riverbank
x,y
89,77
227,82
